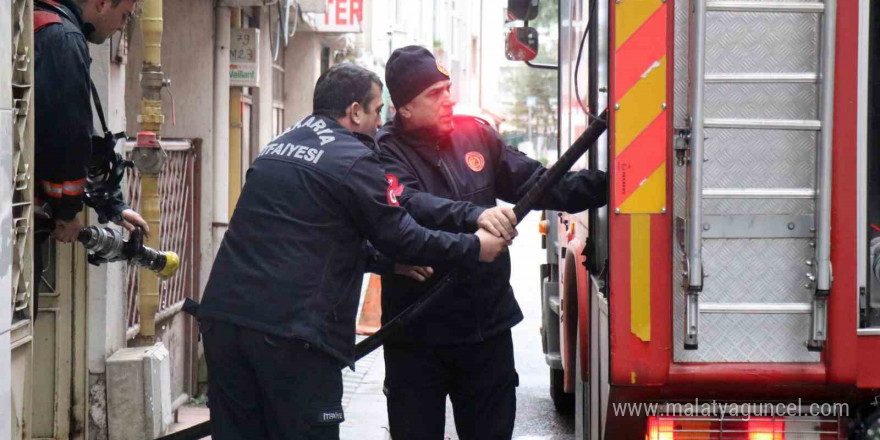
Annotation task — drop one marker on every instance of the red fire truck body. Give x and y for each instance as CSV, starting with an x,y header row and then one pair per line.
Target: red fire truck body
x,y
732,264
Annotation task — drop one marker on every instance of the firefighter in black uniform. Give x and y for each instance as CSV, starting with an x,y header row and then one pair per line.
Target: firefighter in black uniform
x,y
450,170
70,159
278,312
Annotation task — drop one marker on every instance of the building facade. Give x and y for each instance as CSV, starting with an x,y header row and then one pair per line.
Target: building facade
x,y
235,82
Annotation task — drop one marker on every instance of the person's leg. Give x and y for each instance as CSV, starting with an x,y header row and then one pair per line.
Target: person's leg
x,y
301,387
233,391
484,392
416,385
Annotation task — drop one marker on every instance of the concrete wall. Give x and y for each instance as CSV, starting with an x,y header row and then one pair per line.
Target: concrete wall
x,y
187,58
5,384
6,53
263,115
302,66
5,220
106,283
7,173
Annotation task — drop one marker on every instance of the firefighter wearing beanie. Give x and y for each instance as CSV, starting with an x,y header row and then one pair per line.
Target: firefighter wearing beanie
x,y
447,172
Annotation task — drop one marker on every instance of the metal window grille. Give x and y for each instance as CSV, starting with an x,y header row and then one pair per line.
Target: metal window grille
x,y
178,197
22,198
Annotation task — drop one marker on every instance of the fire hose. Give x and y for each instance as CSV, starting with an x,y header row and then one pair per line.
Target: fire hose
x,y
522,207
106,245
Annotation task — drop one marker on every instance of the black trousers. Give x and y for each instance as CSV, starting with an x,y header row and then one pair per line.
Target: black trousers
x,y
480,380
265,387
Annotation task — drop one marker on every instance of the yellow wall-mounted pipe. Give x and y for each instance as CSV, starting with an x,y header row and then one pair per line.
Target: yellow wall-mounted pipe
x,y
152,78
151,120
235,130
151,28
148,283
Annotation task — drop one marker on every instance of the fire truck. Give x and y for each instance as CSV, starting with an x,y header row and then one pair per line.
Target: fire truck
x,y
730,289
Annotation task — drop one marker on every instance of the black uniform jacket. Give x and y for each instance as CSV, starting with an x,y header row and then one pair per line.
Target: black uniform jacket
x,y
292,261
63,127
446,184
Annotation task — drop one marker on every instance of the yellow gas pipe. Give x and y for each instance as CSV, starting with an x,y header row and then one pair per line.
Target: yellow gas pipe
x,y
150,120
236,121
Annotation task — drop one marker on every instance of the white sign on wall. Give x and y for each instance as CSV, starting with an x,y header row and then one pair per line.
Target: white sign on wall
x,y
341,16
244,58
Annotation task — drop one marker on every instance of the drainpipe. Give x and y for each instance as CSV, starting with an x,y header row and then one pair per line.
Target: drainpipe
x,y
149,157
220,140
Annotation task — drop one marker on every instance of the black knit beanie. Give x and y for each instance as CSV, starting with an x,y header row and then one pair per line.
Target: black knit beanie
x,y
409,71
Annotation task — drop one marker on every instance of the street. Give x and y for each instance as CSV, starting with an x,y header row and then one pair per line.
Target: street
x,y
364,403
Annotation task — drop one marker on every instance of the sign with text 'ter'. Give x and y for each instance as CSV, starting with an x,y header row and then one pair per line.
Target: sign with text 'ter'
x,y
341,16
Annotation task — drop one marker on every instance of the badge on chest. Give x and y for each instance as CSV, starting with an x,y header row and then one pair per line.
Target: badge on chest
x,y
475,161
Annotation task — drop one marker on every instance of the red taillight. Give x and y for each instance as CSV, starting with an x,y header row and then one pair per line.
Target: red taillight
x,y
660,429
766,429
741,428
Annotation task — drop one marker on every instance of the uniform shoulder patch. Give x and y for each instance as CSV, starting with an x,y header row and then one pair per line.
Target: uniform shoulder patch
x,y
475,161
395,189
